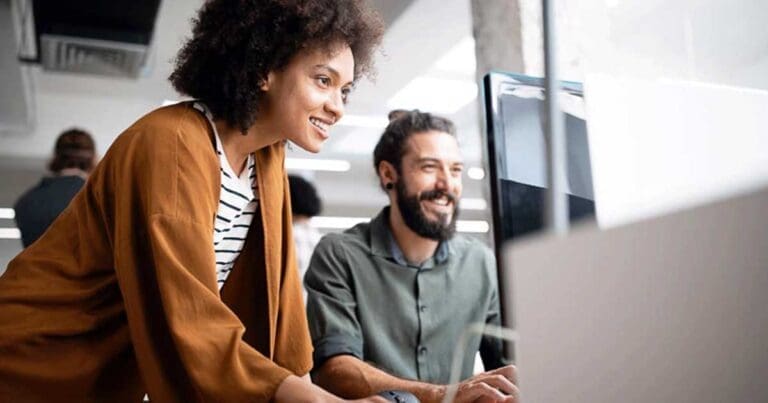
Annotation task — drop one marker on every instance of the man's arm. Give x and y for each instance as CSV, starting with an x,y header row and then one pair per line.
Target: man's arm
x,y
300,390
351,378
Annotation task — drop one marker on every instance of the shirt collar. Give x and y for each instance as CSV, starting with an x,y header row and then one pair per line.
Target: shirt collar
x,y
383,244
244,181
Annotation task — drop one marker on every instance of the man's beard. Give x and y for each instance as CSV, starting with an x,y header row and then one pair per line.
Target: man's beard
x,y
410,208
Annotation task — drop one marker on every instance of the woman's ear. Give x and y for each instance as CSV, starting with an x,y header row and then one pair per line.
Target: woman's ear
x,y
265,84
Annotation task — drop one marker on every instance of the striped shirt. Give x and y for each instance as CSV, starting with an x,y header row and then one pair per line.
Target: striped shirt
x,y
238,202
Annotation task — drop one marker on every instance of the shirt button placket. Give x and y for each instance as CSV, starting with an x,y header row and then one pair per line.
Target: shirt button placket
x,y
421,349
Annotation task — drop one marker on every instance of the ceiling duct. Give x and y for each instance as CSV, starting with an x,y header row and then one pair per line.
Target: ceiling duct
x,y
17,105
92,56
95,36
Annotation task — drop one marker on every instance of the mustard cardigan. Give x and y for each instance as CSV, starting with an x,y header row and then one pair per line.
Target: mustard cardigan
x,y
119,296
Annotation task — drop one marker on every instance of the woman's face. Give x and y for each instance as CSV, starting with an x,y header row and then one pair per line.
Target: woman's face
x,y
303,100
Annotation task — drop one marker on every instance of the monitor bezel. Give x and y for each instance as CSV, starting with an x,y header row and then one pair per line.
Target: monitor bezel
x,y
494,131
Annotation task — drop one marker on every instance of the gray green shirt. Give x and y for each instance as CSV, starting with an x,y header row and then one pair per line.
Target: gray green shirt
x,y
365,300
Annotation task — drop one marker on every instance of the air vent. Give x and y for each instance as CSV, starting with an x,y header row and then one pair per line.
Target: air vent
x,y
92,56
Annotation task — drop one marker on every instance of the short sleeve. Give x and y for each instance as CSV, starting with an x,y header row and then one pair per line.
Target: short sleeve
x,y
331,304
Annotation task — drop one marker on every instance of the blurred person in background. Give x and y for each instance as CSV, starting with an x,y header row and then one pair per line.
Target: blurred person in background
x,y
74,157
305,204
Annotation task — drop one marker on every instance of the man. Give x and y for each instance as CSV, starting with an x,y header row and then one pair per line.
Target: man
x,y
74,157
388,300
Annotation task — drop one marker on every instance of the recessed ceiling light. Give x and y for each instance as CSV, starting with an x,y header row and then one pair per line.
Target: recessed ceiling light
x,y
470,203
328,222
10,233
336,222
313,164
369,121
360,141
476,173
7,213
434,95
472,226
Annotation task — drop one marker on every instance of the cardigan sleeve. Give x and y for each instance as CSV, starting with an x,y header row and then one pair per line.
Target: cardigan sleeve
x,y
293,347
188,344
204,335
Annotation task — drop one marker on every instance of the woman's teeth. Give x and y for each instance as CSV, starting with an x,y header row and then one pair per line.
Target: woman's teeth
x,y
319,124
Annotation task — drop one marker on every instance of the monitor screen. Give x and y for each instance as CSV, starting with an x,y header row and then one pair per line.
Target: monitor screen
x,y
516,153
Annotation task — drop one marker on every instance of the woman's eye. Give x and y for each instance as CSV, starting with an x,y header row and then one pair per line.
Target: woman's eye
x,y
324,81
345,94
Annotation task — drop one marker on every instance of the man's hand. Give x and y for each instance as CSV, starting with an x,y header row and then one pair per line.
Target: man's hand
x,y
495,386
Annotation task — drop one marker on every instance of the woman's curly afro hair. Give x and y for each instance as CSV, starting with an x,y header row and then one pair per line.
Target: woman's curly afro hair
x,y
236,43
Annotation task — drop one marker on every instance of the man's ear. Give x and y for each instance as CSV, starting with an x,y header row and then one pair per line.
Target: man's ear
x,y
387,174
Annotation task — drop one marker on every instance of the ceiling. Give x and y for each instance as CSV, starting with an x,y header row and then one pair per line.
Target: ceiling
x,y
410,48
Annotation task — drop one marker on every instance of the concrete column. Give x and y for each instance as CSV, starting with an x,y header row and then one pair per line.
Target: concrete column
x,y
508,36
497,28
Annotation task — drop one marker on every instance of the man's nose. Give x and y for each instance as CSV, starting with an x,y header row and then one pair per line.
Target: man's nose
x,y
443,180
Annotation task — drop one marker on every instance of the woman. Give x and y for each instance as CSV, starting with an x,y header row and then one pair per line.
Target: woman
x,y
172,272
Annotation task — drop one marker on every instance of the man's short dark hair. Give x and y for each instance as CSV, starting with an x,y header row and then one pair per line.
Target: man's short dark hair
x,y
74,148
402,125
304,198
236,43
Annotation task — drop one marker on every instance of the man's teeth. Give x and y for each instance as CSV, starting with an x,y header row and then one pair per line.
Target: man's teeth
x,y
443,201
317,122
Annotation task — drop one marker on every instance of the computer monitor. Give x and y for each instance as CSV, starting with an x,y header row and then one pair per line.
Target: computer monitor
x,y
669,309
516,154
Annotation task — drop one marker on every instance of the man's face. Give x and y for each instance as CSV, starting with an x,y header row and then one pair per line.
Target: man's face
x,y
429,186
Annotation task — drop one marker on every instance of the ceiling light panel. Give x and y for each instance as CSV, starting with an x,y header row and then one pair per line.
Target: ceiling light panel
x,y
434,95
312,164
460,58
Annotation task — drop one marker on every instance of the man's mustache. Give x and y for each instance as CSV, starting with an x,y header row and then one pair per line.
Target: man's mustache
x,y
436,194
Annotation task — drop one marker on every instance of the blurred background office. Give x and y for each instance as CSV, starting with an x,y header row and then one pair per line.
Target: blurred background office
x,y
305,204
102,64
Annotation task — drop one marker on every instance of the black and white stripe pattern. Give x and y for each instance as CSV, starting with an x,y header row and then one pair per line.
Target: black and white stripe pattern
x,y
238,202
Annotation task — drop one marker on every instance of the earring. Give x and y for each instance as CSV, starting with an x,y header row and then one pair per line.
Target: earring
x,y
389,186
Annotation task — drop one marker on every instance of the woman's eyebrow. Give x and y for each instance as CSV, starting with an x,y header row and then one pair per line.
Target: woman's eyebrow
x,y
328,69
331,71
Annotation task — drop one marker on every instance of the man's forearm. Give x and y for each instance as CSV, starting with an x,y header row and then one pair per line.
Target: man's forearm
x,y
351,378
